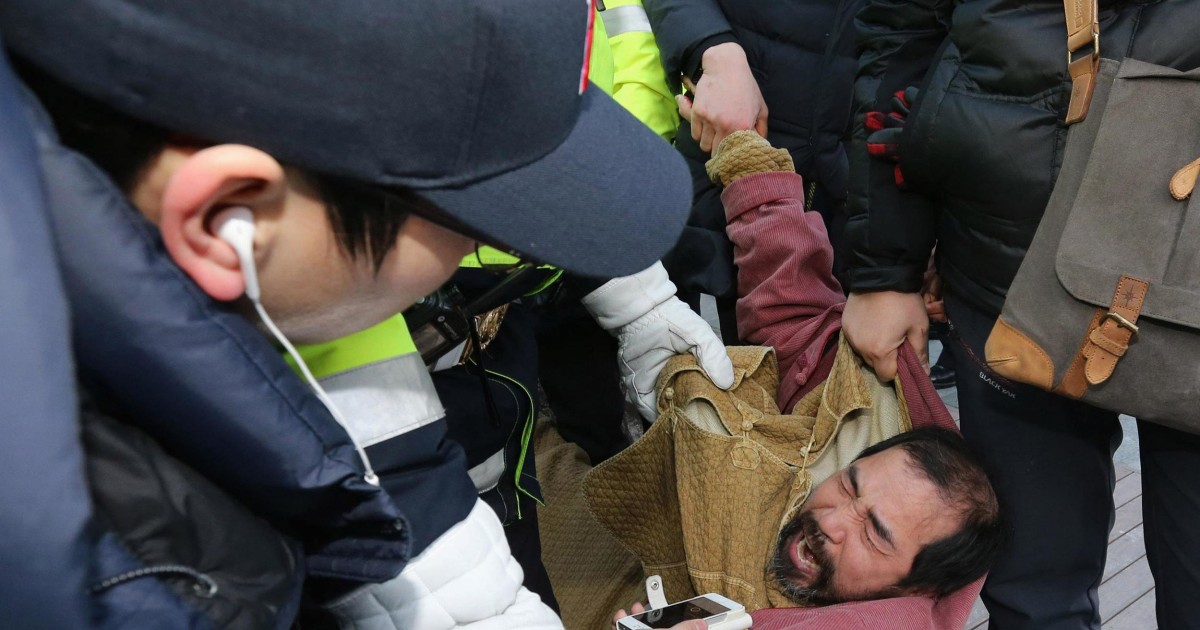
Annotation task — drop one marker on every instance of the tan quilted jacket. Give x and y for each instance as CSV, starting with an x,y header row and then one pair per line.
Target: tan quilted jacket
x,y
701,498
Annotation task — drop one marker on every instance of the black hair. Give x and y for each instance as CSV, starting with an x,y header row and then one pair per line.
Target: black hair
x,y
955,561
366,220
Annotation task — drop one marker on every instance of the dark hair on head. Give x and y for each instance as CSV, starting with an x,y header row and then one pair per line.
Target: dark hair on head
x,y
365,219
951,563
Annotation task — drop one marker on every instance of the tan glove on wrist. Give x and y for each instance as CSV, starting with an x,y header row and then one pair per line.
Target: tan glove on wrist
x,y
744,153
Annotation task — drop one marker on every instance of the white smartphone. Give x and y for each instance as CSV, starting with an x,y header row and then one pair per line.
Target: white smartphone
x,y
720,612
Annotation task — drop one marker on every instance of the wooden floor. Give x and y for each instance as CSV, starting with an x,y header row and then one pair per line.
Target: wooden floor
x,y
1127,592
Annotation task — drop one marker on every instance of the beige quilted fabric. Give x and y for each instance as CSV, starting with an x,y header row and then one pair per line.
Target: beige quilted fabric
x,y
746,153
702,504
593,575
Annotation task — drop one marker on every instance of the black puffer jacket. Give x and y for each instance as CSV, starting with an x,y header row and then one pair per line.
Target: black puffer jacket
x,y
194,556
802,53
984,143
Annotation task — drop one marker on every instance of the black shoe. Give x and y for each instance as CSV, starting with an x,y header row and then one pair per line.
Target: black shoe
x,y
942,376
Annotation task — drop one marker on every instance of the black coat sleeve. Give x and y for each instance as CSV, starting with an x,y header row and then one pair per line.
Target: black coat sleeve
x,y
890,232
684,29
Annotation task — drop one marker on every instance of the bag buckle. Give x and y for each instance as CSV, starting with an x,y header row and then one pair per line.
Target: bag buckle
x,y
1122,322
1095,49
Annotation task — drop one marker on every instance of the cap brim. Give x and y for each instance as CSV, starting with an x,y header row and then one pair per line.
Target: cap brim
x,y
609,201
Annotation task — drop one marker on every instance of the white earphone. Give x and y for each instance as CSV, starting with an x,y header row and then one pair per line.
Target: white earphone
x,y
235,225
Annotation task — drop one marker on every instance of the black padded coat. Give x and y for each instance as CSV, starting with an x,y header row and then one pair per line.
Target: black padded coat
x,y
983,145
802,54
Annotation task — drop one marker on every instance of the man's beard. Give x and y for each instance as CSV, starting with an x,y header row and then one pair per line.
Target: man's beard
x,y
819,590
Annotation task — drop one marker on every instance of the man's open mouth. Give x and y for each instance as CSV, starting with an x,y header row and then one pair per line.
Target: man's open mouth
x,y
803,558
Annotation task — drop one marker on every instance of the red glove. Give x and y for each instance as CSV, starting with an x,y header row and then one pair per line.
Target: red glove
x,y
884,129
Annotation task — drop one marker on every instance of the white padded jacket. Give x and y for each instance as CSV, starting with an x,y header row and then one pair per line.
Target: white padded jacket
x,y
467,578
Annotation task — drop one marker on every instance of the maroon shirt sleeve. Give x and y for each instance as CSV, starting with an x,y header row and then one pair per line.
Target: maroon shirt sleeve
x,y
787,295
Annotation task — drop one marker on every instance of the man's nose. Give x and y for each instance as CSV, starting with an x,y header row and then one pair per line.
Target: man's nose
x,y
832,523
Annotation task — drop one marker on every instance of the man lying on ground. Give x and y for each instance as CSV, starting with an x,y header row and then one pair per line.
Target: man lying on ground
x,y
764,493
897,521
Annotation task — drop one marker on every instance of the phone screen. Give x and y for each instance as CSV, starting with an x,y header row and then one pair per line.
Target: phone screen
x,y
699,608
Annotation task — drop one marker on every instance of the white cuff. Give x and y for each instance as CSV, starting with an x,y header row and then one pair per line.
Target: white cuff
x,y
622,300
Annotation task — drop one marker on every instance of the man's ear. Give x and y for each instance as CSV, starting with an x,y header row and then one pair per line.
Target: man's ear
x,y
207,182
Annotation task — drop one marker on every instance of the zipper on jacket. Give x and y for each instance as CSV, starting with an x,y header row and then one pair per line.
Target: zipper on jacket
x,y
203,586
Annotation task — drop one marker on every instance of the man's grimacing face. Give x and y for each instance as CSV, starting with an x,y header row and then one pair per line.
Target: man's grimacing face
x,y
859,531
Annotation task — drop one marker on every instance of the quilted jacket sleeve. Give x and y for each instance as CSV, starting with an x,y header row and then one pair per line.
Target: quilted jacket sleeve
x,y
890,232
685,29
787,295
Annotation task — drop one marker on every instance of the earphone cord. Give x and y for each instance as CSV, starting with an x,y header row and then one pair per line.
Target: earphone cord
x,y
370,477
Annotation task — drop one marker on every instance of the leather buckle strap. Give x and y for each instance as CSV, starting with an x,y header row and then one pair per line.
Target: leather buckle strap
x,y
1095,41
1082,23
1122,322
1109,340
1083,29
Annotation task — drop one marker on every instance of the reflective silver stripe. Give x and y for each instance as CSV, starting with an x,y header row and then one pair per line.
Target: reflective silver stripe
x,y
486,475
385,399
627,19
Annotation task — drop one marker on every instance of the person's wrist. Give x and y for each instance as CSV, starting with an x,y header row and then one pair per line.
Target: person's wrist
x,y
723,56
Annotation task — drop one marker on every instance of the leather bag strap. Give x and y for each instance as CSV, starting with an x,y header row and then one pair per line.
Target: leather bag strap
x,y
1083,30
1107,343
1107,340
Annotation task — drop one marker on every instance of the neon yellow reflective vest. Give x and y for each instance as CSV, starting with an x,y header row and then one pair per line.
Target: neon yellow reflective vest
x,y
376,379
385,340
638,81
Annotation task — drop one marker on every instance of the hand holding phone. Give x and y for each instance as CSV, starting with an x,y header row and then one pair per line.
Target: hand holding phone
x,y
720,613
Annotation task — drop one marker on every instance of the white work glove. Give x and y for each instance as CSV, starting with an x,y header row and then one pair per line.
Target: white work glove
x,y
651,326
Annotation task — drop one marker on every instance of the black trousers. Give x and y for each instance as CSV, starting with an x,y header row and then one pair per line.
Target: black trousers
x,y
1050,461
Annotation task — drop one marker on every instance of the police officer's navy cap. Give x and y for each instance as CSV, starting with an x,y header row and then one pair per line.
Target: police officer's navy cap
x,y
476,104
